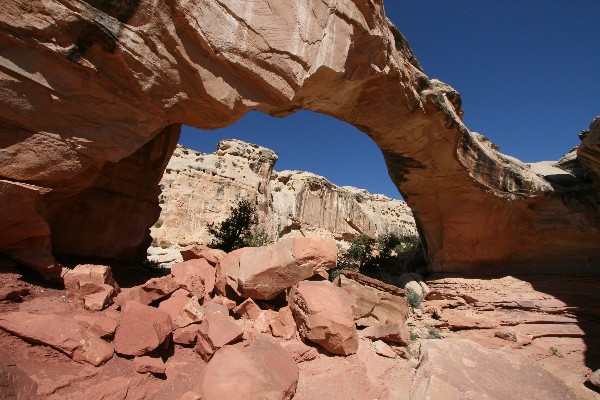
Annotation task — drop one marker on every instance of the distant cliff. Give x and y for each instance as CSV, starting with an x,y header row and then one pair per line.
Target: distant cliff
x,y
200,188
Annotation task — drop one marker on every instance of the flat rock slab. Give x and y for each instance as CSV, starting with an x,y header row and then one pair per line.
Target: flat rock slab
x,y
479,373
60,332
255,370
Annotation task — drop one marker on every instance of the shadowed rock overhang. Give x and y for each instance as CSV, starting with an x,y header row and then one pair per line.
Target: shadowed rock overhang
x,y
93,93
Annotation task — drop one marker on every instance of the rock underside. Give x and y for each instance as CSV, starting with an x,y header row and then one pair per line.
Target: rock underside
x,y
94,93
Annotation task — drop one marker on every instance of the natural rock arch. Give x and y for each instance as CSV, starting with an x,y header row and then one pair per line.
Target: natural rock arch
x,y
93,92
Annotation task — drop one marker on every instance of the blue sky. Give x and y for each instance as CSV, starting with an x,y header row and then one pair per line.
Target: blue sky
x,y
528,73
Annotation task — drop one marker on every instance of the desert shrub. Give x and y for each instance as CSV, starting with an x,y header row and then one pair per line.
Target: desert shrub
x,y
433,333
407,243
413,298
361,250
159,223
236,230
344,262
258,237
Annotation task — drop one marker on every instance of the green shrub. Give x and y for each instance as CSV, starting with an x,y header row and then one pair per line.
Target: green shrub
x,y
236,230
413,298
258,237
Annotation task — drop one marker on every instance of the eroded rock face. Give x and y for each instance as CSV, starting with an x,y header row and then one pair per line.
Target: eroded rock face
x,y
92,95
201,188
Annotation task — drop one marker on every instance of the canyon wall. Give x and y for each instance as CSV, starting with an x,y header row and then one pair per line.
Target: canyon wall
x,y
85,85
199,188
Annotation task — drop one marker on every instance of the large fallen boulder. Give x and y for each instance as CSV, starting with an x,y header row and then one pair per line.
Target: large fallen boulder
x,y
215,331
466,368
60,332
259,369
323,313
200,251
154,289
91,285
196,276
376,303
264,272
142,329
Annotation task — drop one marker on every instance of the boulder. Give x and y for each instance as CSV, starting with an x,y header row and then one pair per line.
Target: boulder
x,y
259,369
154,289
390,333
145,364
300,351
199,251
142,329
477,372
214,306
183,310
215,331
376,303
264,272
60,332
283,325
248,309
104,327
186,336
594,379
197,276
91,285
384,349
324,315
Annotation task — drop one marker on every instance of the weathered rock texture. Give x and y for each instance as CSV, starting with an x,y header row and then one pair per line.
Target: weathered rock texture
x,y
199,188
92,94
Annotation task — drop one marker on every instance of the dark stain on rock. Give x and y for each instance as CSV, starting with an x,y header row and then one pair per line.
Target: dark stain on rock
x,y
399,166
95,32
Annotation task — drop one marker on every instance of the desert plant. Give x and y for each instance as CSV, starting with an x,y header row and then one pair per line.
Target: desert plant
x,y
413,298
344,262
555,351
235,231
258,237
433,333
361,249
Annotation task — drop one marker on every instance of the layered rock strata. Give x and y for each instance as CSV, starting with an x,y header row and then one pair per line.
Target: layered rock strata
x,y
92,94
199,188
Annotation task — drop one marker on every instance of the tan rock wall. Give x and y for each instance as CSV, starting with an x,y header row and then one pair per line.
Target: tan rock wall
x,y
199,188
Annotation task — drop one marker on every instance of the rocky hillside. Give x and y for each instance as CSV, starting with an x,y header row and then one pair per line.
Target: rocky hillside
x,y
262,323
200,188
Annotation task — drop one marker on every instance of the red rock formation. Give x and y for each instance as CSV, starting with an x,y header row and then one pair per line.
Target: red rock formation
x,y
90,93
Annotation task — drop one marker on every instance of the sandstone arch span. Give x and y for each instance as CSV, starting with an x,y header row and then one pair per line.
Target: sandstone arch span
x,y
92,93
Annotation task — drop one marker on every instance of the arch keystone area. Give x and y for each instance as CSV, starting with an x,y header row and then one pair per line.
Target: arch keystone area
x,y
92,96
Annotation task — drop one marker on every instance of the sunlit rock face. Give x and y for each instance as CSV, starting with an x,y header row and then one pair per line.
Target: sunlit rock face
x,y
88,83
199,189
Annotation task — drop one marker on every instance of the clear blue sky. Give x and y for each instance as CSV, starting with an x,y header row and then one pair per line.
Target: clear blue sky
x,y
528,72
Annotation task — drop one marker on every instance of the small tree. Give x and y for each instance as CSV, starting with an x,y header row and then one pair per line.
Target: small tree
x,y
361,249
236,230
